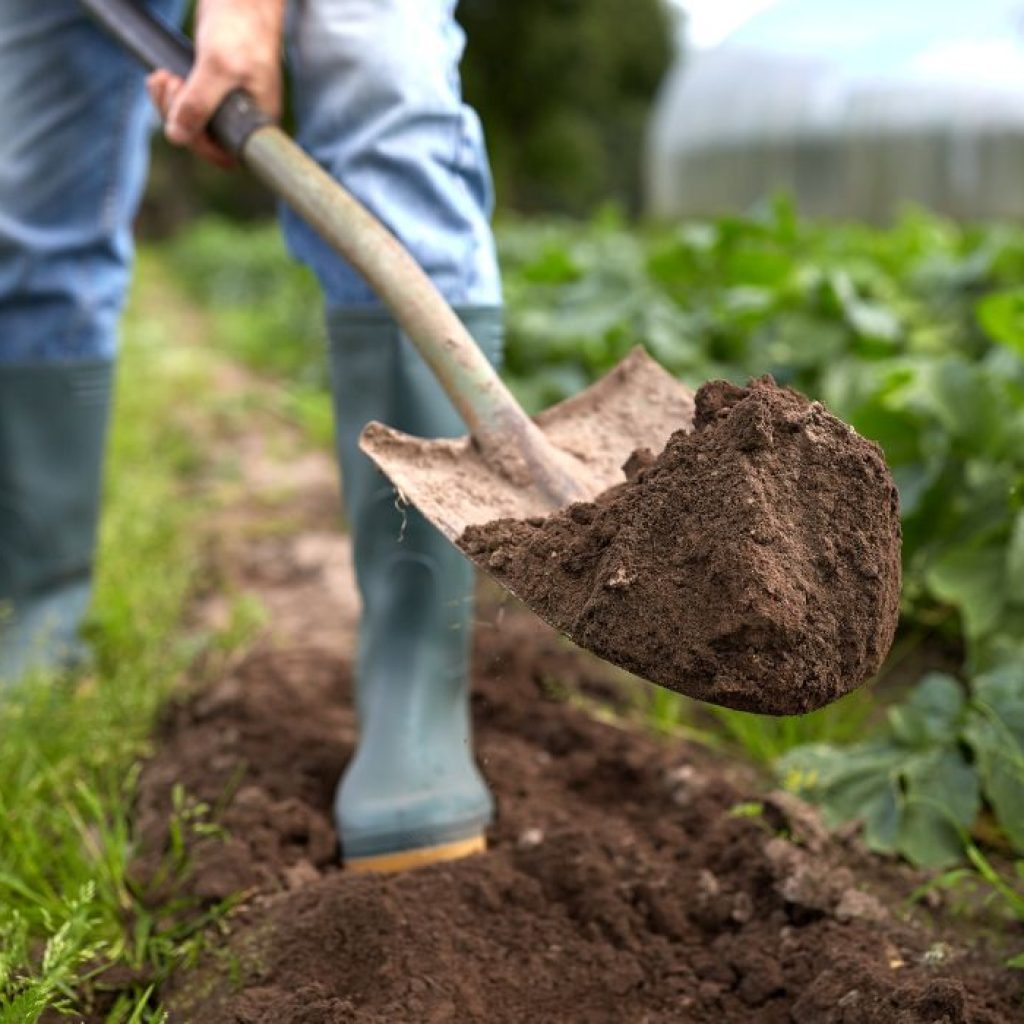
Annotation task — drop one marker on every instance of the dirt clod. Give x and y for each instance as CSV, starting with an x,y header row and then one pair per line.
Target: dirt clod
x,y
754,563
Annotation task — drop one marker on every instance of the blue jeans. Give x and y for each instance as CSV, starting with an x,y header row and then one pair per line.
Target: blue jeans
x,y
377,100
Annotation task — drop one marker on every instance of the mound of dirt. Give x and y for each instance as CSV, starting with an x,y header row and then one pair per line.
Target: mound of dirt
x,y
628,879
755,563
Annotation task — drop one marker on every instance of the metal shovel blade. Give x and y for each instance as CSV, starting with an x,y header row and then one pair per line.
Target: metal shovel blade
x,y
637,404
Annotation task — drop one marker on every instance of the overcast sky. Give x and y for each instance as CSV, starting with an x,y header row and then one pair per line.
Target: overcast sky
x,y
710,21
980,43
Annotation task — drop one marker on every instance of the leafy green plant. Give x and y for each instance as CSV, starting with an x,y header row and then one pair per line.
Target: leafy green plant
x,y
919,786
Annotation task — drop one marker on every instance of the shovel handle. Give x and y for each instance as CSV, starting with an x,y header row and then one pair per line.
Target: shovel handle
x,y
504,433
155,44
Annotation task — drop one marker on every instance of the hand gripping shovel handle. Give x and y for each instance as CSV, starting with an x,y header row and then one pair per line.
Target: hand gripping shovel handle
x,y
498,425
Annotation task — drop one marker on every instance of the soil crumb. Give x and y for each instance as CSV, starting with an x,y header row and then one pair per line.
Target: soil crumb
x,y
754,563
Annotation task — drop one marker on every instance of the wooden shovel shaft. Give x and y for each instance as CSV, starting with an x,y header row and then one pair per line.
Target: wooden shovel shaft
x,y
495,420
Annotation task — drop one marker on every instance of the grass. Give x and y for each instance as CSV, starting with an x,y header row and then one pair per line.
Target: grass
x,y
981,882
267,308
766,739
70,750
761,738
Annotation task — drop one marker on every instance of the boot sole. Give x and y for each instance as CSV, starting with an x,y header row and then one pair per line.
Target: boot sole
x,y
405,860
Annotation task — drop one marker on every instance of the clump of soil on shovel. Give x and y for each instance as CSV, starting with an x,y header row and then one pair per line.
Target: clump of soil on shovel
x,y
754,563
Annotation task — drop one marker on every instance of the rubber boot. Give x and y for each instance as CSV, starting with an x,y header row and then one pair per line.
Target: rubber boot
x,y
412,792
53,420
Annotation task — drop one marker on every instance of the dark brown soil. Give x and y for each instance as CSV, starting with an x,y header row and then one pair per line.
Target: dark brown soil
x,y
755,563
629,879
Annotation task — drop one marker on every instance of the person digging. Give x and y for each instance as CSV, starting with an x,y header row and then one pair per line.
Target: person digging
x,y
739,545
375,85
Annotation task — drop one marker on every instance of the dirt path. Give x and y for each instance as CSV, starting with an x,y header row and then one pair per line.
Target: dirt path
x,y
628,879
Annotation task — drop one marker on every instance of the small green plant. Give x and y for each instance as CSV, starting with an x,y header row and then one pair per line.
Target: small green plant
x,y
27,988
918,786
766,739
982,880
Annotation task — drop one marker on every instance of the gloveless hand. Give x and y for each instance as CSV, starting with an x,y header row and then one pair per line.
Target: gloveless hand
x,y
238,45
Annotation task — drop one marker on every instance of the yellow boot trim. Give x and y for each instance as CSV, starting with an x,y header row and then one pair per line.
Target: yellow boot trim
x,y
404,860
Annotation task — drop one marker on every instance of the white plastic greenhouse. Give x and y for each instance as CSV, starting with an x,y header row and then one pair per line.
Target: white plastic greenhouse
x,y
855,107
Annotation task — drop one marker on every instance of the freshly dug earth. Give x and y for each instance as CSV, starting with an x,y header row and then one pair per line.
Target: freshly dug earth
x,y
629,879
755,563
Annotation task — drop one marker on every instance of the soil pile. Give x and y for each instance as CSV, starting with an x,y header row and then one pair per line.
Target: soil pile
x,y
755,563
628,879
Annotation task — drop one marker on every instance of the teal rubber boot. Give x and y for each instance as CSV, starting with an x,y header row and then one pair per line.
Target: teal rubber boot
x,y
412,792
53,420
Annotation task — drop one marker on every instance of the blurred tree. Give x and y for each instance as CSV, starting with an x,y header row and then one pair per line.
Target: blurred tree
x,y
564,89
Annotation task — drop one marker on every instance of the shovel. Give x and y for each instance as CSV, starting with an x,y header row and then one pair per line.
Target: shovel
x,y
509,464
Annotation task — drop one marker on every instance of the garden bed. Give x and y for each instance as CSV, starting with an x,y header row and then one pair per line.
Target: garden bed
x,y
629,877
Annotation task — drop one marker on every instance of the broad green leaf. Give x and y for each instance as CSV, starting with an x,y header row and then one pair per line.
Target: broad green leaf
x,y
1001,691
943,780
858,782
931,715
938,801
912,803
869,319
995,732
1001,770
927,838
973,581
882,819
1001,315
968,402
815,768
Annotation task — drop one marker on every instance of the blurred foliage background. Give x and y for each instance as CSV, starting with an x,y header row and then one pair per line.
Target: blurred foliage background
x,y
564,89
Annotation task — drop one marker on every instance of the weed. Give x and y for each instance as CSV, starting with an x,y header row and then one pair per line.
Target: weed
x,y
766,739
1003,889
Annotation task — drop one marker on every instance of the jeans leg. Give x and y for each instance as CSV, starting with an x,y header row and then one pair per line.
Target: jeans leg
x,y
378,103
74,122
